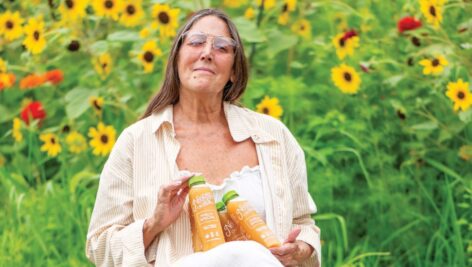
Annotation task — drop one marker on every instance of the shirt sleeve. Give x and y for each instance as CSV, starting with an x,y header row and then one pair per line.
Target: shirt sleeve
x,y
114,237
303,205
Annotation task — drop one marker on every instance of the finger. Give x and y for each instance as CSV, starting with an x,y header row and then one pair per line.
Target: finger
x,y
292,236
185,178
285,249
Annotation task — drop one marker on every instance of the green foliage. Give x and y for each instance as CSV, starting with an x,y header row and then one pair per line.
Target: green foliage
x,y
389,167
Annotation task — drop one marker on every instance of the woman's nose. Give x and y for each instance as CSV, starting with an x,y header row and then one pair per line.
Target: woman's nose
x,y
207,50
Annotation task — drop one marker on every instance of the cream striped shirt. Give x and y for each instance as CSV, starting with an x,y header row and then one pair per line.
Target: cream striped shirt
x,y
144,158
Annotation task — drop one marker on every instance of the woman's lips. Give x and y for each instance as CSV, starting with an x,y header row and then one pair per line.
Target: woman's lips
x,y
204,70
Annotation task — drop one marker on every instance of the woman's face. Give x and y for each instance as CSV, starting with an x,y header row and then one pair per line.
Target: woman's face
x,y
205,59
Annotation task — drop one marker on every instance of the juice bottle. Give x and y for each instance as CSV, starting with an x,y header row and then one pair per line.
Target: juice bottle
x,y
205,217
196,242
231,230
247,218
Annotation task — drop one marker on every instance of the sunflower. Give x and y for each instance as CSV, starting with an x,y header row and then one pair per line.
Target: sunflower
x,y
35,41
10,25
345,44
144,33
433,66
76,142
103,139
302,27
249,13
459,93
108,8
73,10
270,106
96,102
234,3
51,144
16,131
432,10
148,55
268,4
132,14
289,6
346,79
103,64
165,19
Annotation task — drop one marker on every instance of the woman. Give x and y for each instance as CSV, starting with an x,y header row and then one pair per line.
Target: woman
x,y
141,211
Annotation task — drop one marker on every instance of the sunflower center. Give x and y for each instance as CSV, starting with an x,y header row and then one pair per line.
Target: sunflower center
x,y
432,11
104,138
36,35
96,105
435,62
302,27
109,4
342,42
285,8
163,17
265,110
347,76
104,65
9,24
460,95
53,140
130,9
70,4
148,56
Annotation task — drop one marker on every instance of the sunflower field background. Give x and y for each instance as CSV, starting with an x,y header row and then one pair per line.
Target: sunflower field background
x,y
378,93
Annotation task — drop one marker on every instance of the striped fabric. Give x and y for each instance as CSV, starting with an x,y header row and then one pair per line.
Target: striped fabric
x,y
144,158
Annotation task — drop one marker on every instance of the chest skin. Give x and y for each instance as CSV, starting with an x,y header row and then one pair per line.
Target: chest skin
x,y
213,153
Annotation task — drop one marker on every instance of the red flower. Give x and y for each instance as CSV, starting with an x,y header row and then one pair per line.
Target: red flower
x,y
349,34
408,24
54,76
33,110
31,81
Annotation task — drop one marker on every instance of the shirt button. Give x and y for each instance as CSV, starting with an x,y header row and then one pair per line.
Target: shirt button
x,y
256,137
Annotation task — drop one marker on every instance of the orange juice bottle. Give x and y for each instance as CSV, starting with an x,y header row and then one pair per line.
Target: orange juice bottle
x,y
231,230
196,242
205,217
244,215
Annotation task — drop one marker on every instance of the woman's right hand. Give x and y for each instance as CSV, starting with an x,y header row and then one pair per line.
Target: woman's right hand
x,y
170,203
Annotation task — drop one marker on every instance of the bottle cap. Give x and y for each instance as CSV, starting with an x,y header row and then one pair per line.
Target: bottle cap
x,y
220,206
196,180
229,195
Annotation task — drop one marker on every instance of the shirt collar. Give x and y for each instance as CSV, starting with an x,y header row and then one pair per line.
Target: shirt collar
x,y
240,122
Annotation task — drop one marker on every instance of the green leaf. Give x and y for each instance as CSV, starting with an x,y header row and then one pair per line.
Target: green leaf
x,y
426,126
124,36
248,31
79,177
78,101
4,114
99,47
279,42
466,116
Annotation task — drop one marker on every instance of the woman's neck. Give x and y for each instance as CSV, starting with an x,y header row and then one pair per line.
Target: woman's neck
x,y
194,110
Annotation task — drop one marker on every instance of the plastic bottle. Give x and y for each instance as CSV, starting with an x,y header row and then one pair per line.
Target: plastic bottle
x,y
247,218
231,230
205,217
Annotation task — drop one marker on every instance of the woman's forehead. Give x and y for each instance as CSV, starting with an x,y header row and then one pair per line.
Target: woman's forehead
x,y
211,25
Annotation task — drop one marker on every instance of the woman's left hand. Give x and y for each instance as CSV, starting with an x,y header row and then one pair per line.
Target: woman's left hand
x,y
293,252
